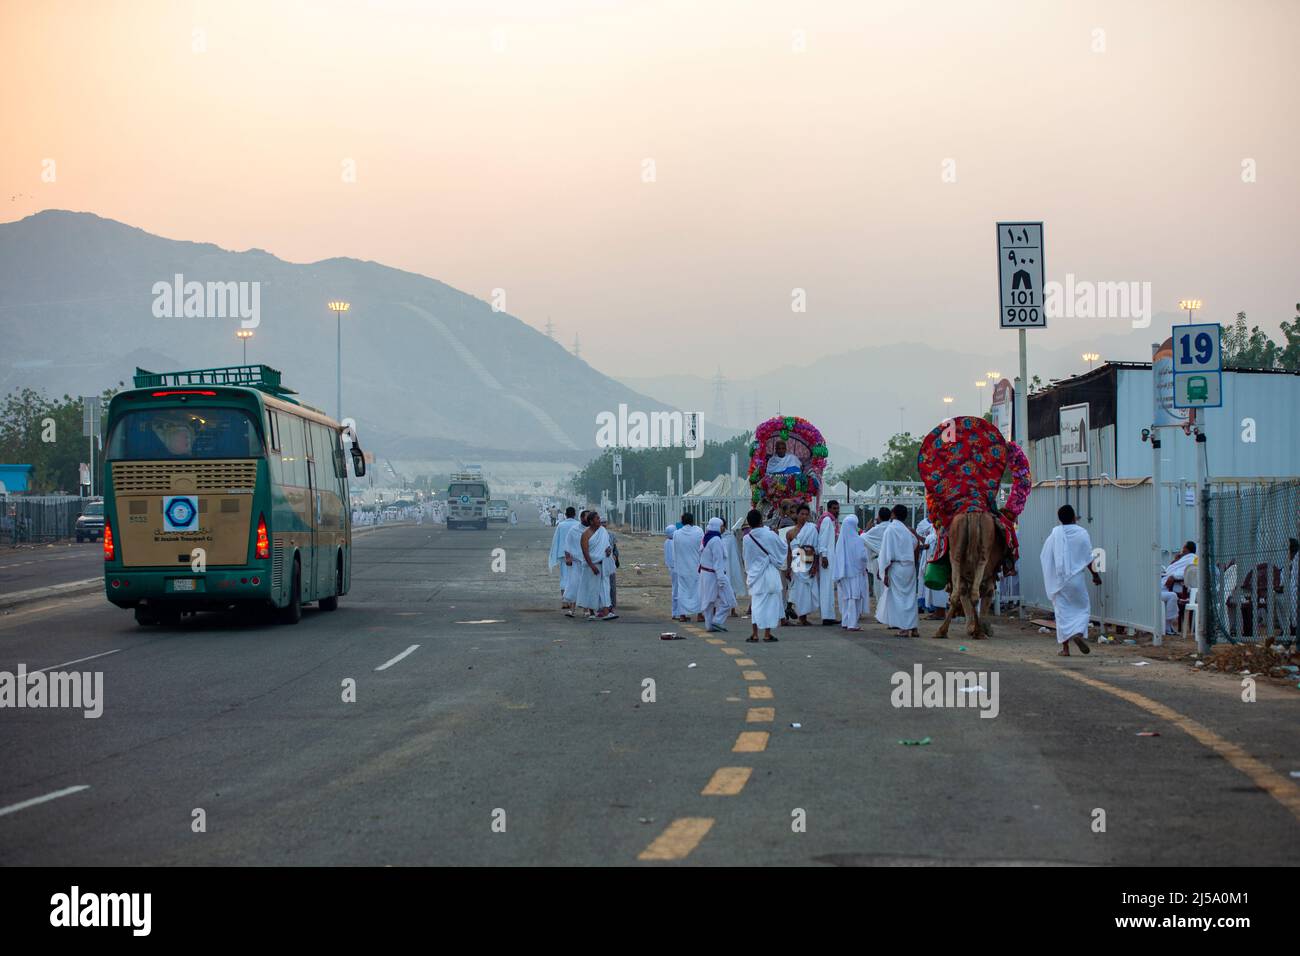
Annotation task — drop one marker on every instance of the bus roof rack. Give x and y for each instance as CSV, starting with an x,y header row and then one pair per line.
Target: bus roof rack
x,y
261,377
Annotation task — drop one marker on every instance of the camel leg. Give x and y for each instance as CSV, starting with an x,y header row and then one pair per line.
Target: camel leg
x,y
971,600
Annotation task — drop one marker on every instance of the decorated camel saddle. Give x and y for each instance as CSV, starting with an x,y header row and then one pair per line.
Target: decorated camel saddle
x,y
795,474
962,462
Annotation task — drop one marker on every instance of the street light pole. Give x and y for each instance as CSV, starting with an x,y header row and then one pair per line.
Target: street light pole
x,y
244,335
338,307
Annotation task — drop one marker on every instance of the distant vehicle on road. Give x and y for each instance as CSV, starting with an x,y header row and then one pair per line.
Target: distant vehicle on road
x,y
221,489
498,510
467,500
90,526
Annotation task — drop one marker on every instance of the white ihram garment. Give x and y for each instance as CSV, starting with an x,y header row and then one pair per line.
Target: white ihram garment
x,y
898,561
556,556
735,573
1066,554
764,559
803,586
849,569
593,589
573,545
668,563
716,596
686,567
827,530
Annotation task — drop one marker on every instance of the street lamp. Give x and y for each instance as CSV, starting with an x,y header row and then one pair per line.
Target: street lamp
x,y
1190,305
947,401
979,399
1091,357
338,307
244,335
994,376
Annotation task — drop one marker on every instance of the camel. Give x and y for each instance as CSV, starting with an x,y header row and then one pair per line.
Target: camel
x,y
975,547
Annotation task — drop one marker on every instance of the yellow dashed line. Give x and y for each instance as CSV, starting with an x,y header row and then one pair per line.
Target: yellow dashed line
x,y
753,675
682,836
715,640
759,692
744,662
733,651
1264,776
751,742
727,782
760,715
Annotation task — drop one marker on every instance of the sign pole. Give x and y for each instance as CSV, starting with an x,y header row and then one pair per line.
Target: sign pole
x,y
1157,498
1021,428
1207,589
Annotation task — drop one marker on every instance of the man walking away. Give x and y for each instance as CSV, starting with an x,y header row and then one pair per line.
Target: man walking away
x,y
560,556
1066,555
764,559
687,542
668,563
897,560
827,532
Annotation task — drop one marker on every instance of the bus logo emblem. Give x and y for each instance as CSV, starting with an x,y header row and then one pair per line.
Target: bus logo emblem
x,y
180,512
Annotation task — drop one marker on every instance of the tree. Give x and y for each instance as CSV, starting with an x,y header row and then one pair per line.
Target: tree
x,y
863,476
644,468
1255,349
899,462
45,434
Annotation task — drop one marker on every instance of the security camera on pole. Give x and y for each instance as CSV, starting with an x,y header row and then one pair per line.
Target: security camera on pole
x,y
1022,305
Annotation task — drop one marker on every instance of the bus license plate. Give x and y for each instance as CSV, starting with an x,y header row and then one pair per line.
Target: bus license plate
x,y
183,584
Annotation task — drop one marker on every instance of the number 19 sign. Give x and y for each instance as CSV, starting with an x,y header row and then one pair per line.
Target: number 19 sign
x,y
1020,275
1198,366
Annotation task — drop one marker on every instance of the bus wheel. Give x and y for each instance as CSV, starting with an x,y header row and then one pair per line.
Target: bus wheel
x,y
145,615
331,603
291,613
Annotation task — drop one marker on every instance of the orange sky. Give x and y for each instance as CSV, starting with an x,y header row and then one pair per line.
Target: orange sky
x,y
500,145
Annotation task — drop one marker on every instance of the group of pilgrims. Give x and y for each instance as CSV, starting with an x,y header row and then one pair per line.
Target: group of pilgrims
x,y
789,566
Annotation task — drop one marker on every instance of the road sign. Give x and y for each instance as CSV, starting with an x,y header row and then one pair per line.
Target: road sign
x,y
1074,435
1021,283
90,414
1198,366
618,465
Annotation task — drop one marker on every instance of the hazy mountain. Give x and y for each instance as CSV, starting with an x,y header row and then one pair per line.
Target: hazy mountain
x,y
428,371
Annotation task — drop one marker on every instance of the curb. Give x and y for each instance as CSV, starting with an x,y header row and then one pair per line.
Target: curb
x,y
54,590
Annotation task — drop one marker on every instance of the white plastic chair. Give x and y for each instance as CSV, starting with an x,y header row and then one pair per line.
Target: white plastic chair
x,y
1191,580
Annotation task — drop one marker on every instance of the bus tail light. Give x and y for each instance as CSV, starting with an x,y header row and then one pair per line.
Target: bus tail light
x,y
263,542
109,550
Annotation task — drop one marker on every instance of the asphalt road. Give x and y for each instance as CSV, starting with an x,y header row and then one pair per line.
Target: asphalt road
x,y
40,565
513,735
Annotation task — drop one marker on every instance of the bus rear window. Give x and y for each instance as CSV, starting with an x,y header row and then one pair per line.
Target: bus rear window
x,y
474,491
184,434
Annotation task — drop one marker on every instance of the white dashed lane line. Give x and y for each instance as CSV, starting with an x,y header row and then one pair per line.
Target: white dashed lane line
x,y
387,664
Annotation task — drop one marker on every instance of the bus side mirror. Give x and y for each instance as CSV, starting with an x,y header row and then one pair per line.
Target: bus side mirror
x,y
358,462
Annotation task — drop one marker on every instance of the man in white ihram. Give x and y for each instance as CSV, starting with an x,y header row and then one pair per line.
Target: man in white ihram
x,y
872,538
827,531
764,560
668,563
898,547
573,558
1173,584
1067,555
593,587
716,596
687,542
559,553
782,463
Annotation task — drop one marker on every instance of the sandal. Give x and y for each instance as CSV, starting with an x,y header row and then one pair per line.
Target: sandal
x,y
751,640
769,640
1082,645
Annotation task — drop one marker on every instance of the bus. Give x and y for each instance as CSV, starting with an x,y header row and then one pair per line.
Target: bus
x,y
221,489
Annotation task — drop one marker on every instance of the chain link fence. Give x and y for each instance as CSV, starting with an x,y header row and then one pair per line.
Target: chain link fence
x,y
27,519
1251,532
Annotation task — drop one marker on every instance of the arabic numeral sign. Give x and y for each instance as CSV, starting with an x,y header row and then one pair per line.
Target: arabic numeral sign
x,y
1204,346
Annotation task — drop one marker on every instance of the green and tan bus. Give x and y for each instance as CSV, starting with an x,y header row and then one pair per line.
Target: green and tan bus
x,y
221,490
